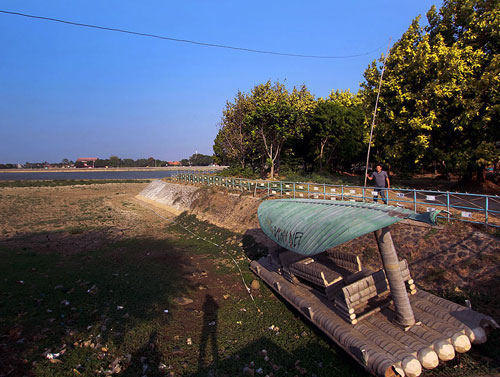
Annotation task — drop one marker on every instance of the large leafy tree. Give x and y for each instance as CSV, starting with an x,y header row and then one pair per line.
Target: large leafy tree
x,y
256,125
199,159
234,142
279,115
336,128
440,99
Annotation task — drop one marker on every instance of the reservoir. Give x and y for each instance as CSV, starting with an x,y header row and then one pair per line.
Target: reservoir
x,y
85,174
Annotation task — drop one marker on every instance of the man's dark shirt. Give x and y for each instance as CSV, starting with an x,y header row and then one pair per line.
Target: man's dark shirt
x,y
380,178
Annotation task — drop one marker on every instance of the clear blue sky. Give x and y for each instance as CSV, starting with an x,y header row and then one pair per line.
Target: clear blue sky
x,y
68,92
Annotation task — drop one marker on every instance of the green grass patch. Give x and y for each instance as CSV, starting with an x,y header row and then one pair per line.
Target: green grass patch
x,y
83,302
108,305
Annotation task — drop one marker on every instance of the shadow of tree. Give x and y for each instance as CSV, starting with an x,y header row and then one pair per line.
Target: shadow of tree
x,y
111,298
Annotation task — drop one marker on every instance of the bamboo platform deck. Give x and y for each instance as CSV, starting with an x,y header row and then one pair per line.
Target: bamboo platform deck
x,y
382,347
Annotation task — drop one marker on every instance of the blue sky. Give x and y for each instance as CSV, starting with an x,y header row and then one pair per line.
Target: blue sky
x,y
68,92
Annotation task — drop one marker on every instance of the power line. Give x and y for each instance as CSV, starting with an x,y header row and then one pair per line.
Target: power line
x,y
186,40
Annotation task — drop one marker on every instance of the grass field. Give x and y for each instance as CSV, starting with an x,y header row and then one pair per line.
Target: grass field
x,y
96,283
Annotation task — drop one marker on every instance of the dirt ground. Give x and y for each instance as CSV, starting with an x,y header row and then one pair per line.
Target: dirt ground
x,y
75,221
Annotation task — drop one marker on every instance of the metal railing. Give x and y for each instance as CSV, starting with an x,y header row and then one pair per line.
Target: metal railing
x,y
471,208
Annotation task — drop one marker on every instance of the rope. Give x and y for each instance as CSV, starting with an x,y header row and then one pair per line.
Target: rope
x,y
172,221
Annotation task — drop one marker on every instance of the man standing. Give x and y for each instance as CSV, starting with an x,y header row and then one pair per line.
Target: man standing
x,y
381,182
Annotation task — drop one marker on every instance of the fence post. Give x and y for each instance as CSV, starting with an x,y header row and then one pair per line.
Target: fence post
x,y
414,201
448,205
294,190
342,186
486,211
268,185
281,189
324,190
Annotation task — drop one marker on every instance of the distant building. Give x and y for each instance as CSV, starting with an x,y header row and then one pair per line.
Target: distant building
x,y
174,163
85,162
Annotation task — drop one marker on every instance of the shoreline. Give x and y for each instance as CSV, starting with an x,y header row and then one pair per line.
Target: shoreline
x,y
91,170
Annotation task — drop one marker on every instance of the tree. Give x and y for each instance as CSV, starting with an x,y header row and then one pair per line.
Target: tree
x,y
128,162
114,161
199,159
234,140
255,127
337,128
440,99
278,116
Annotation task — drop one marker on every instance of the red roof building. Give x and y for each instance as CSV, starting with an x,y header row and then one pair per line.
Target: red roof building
x,y
173,163
86,160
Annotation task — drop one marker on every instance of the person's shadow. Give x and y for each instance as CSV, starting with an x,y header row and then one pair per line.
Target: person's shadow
x,y
209,332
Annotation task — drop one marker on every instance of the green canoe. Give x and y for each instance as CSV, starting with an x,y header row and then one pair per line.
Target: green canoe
x,y
311,226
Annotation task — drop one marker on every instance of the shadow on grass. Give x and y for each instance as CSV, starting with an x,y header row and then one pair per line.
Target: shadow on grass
x,y
266,357
90,303
256,244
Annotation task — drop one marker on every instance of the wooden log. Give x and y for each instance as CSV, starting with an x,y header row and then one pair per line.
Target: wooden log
x,y
363,350
364,283
344,314
459,340
477,322
410,364
425,354
442,313
442,346
362,296
404,313
341,305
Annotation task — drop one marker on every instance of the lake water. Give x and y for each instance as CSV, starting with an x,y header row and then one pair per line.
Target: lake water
x,y
36,176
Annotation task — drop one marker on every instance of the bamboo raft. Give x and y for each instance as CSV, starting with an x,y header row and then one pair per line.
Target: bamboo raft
x,y
380,318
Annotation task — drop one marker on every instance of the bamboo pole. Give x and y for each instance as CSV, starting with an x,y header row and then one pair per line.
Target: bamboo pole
x,y
365,351
441,313
458,338
410,364
375,111
404,312
476,321
425,354
442,346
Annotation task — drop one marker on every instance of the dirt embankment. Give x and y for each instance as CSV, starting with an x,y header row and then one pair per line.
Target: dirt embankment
x,y
233,211
451,256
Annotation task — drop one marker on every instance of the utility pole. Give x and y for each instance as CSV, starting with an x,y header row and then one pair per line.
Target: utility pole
x,y
375,111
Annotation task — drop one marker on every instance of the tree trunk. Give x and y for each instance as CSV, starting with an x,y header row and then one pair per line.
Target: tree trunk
x,y
480,174
321,150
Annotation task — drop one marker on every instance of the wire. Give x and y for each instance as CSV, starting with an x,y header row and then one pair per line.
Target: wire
x,y
187,40
172,221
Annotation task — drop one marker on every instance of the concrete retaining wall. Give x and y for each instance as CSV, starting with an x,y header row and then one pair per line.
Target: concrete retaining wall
x,y
172,197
